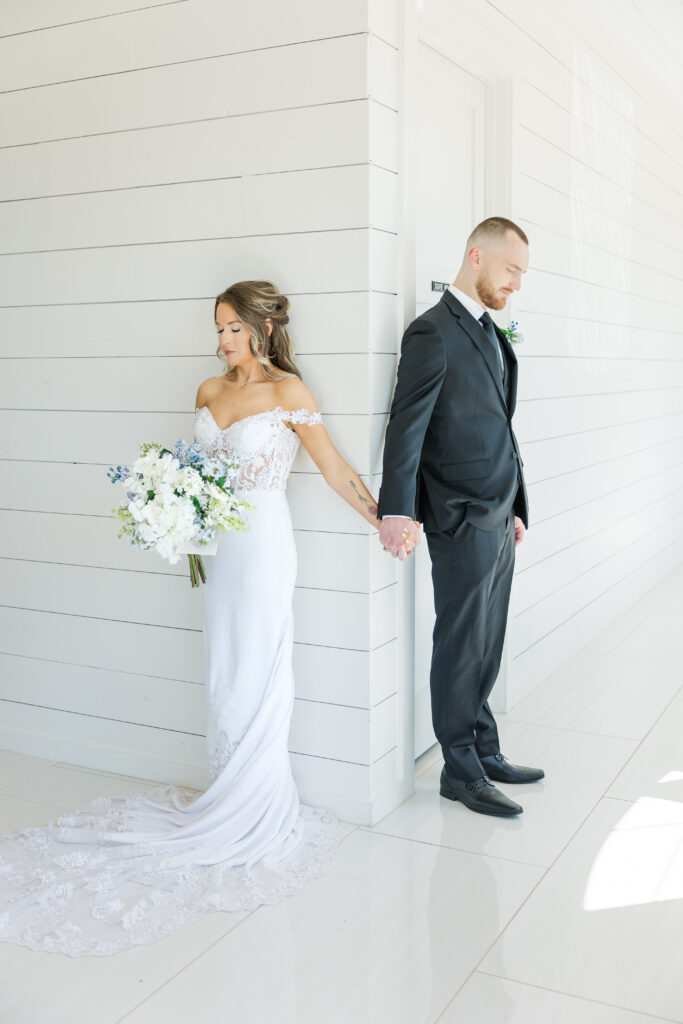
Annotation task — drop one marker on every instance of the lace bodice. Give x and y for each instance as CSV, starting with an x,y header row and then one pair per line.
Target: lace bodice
x,y
261,443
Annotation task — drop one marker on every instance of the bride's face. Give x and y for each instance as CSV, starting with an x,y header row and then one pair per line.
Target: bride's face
x,y
233,337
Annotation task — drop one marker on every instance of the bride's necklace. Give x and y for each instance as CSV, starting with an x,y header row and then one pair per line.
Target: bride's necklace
x,y
249,381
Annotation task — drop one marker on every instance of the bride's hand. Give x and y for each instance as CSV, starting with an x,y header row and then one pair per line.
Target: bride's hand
x,y
412,537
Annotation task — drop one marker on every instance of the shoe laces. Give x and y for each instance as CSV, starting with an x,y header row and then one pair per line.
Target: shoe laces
x,y
478,784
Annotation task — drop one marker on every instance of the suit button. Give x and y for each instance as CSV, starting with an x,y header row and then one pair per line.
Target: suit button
x,y
514,455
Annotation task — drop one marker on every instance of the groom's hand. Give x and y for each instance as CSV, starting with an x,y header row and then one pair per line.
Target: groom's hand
x,y
393,533
519,531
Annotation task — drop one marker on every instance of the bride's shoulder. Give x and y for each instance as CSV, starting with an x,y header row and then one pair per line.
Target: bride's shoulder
x,y
208,390
292,393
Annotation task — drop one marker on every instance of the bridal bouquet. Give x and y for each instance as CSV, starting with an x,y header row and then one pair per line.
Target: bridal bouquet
x,y
177,501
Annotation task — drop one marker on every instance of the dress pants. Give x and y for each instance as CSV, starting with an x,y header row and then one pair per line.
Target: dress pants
x,y
472,574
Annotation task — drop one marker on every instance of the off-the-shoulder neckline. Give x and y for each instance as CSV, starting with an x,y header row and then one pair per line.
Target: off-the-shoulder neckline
x,y
253,415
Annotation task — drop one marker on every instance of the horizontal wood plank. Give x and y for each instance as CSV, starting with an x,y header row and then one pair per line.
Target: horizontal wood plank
x,y
323,71
326,323
196,31
342,384
335,261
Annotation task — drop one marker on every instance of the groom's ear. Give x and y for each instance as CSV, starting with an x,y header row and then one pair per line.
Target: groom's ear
x,y
474,257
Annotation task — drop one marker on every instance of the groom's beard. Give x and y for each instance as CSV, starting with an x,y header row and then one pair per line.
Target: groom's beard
x,y
489,296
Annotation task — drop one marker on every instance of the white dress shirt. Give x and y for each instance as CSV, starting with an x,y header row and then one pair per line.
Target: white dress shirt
x,y
470,304
476,309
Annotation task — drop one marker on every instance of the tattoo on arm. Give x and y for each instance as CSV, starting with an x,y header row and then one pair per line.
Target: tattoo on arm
x,y
372,509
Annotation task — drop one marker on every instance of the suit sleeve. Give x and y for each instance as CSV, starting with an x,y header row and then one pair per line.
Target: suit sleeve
x,y
520,506
421,373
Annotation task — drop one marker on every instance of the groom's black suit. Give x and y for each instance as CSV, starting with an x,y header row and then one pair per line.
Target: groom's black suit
x,y
452,462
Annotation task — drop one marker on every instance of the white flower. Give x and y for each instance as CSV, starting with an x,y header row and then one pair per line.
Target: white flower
x,y
170,502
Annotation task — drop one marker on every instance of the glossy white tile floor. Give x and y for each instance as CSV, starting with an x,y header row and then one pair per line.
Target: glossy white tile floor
x,y
571,913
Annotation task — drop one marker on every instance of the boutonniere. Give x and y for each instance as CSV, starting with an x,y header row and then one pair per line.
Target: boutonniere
x,y
512,334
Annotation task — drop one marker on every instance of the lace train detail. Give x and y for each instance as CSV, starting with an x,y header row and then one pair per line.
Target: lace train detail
x,y
101,899
221,748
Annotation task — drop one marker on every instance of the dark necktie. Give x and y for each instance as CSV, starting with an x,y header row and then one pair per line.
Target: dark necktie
x,y
490,331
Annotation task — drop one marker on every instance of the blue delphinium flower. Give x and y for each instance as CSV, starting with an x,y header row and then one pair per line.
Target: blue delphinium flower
x,y
118,474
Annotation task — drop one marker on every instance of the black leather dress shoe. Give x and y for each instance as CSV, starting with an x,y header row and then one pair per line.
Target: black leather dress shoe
x,y
480,795
498,767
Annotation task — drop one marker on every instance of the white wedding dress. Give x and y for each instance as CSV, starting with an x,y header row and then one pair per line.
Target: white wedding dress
x,y
128,871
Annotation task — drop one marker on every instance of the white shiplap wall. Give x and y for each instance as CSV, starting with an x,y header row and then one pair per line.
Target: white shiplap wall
x,y
596,183
148,158
600,155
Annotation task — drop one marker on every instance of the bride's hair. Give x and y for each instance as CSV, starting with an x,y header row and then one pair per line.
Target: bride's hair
x,y
255,302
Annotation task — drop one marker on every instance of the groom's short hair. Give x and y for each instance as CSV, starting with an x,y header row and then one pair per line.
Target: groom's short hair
x,y
494,229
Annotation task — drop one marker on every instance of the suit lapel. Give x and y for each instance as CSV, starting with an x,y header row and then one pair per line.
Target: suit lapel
x,y
476,334
512,367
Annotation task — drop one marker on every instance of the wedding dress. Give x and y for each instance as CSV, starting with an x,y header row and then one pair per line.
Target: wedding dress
x,y
128,871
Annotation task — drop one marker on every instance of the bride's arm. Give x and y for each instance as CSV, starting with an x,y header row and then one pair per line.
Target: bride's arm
x,y
341,477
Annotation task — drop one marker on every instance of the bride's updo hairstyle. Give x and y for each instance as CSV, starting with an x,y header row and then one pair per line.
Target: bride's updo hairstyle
x,y
255,302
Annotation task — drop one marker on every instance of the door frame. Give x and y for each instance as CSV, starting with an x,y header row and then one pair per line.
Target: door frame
x,y
441,28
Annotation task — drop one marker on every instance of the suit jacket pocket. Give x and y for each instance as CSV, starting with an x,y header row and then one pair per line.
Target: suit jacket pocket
x,y
473,469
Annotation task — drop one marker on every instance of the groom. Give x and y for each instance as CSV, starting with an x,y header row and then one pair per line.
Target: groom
x,y
452,462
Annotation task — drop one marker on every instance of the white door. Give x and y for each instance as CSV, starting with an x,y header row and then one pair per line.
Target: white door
x,y
450,190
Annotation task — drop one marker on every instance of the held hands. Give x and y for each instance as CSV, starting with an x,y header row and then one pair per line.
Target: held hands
x,y
399,536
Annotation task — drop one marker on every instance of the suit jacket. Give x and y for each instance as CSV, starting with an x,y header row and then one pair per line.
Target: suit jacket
x,y
450,451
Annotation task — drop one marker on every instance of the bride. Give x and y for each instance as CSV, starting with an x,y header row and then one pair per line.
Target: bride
x,y
128,871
